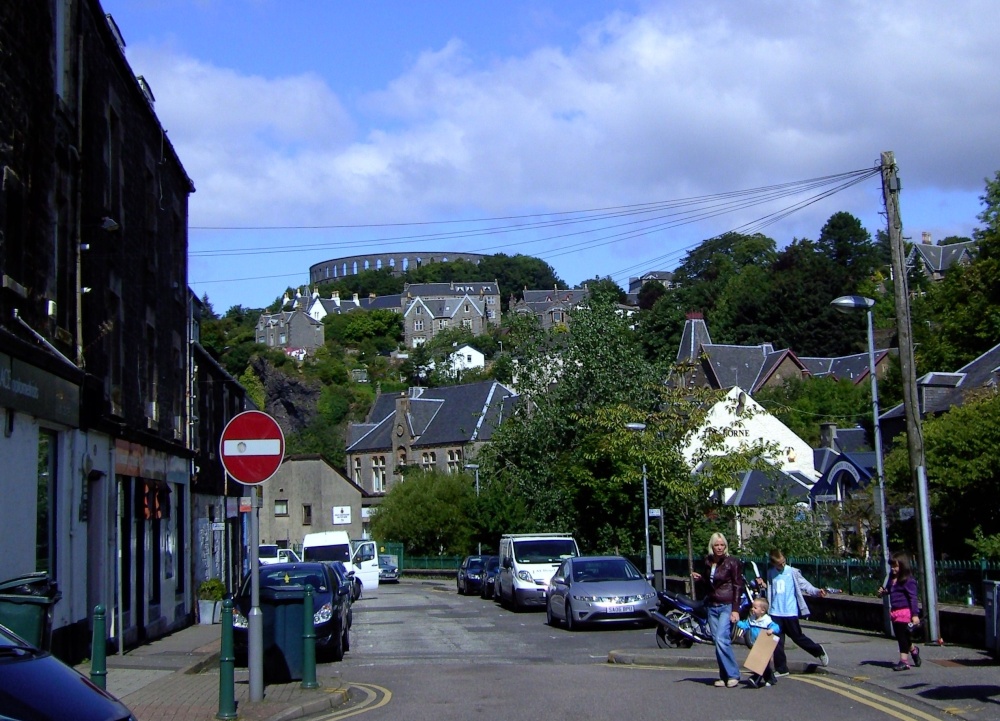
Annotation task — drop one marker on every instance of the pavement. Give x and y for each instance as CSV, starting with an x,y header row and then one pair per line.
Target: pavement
x,y
176,678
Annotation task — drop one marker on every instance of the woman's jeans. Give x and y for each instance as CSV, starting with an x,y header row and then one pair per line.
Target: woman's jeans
x,y
718,621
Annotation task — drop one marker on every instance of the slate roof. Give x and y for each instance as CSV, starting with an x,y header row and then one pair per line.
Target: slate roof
x,y
745,366
938,392
693,337
758,488
383,302
849,367
663,276
476,288
438,416
940,258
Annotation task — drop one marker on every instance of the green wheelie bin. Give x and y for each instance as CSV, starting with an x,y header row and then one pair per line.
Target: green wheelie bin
x,y
284,649
26,607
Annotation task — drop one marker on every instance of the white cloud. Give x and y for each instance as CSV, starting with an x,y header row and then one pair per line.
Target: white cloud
x,y
681,100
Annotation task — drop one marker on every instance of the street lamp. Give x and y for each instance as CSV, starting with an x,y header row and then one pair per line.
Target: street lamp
x,y
849,304
639,428
475,467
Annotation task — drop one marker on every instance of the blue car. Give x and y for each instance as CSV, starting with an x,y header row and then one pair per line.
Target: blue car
x,y
36,685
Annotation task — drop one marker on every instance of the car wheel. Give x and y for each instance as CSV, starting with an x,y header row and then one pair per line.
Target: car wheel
x,y
337,647
570,624
357,590
515,605
549,618
347,639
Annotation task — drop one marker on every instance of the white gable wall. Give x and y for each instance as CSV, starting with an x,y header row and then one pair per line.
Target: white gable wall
x,y
758,424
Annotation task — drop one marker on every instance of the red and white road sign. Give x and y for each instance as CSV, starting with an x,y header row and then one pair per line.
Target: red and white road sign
x,y
252,447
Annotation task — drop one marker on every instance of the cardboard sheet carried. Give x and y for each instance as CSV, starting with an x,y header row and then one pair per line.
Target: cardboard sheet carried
x,y
761,653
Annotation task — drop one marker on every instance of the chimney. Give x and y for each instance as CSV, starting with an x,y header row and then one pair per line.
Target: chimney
x,y
827,435
356,301
335,296
925,238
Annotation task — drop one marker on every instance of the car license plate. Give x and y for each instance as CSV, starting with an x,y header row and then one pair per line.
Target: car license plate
x,y
619,609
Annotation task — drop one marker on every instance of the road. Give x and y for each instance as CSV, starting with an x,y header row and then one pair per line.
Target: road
x,y
420,652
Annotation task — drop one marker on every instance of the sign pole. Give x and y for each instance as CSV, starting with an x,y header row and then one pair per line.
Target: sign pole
x,y
252,448
255,623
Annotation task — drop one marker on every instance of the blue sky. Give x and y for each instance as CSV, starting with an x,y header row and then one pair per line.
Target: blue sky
x,y
316,129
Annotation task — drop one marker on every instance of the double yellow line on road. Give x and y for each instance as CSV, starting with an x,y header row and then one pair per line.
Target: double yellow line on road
x,y
888,706
374,697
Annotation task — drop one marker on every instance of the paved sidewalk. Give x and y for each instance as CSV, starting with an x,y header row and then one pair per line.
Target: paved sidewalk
x,y
176,678
959,681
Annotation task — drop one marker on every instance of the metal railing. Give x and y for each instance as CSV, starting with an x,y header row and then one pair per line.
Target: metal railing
x,y
958,581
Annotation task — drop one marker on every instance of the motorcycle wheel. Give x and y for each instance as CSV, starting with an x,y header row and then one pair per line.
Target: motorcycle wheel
x,y
665,639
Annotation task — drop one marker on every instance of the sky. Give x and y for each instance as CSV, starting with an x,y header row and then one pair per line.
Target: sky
x,y
316,129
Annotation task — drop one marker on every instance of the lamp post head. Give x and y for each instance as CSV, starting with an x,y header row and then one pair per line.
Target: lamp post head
x,y
472,466
850,303
636,426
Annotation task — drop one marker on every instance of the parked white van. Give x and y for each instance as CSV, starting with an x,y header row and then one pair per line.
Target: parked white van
x,y
360,556
527,563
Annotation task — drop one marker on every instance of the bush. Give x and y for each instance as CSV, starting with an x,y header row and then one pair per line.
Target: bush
x,y
211,590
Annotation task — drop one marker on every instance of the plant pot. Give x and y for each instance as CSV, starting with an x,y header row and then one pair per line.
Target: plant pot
x,y
206,612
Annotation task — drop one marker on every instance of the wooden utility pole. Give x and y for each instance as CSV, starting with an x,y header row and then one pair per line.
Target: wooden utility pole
x,y
911,404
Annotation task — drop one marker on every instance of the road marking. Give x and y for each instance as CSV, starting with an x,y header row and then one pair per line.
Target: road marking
x,y
375,697
885,705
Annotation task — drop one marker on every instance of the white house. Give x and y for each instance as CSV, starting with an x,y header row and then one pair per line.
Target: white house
x,y
465,358
745,422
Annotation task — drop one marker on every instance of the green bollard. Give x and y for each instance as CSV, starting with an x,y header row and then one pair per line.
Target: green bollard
x,y
308,641
227,665
99,651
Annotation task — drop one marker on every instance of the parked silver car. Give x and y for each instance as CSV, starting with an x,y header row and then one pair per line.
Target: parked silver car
x,y
598,589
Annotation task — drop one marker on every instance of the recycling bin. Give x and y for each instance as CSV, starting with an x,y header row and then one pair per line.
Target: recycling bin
x,y
26,607
284,648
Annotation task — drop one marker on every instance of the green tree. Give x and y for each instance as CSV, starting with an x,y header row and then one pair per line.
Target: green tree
x,y
429,513
802,405
963,465
254,386
784,524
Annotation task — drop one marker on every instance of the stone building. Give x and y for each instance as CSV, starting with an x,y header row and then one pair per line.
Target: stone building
x,y
430,428
94,370
429,308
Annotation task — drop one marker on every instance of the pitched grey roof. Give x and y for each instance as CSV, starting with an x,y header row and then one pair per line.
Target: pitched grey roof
x,y
385,302
438,416
854,367
693,337
938,392
758,488
744,366
939,258
475,288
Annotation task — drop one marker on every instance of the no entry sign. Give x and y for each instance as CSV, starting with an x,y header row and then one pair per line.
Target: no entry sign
x,y
252,447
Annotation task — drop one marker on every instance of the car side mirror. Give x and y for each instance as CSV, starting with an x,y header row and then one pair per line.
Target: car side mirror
x,y
557,579
507,563
650,577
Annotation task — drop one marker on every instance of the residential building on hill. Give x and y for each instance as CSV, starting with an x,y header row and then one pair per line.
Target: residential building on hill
x,y
936,260
430,428
551,307
429,308
752,367
293,331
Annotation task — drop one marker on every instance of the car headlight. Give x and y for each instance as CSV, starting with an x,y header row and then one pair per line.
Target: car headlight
x,y
525,576
324,614
473,575
588,599
239,620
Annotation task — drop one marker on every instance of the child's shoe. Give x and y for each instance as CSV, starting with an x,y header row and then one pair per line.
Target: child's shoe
x,y
901,666
915,655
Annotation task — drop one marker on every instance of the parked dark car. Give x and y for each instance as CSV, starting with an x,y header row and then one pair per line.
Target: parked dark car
x,y
36,685
491,568
331,605
388,572
470,575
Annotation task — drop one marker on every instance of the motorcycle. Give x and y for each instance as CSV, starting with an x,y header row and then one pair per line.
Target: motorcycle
x,y
682,621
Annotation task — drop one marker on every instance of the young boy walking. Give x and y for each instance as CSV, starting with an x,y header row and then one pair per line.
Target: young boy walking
x,y
757,623
786,590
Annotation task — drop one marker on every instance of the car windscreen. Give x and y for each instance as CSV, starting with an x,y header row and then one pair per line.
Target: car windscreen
x,y
548,550
298,577
267,551
475,564
493,563
607,570
341,552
